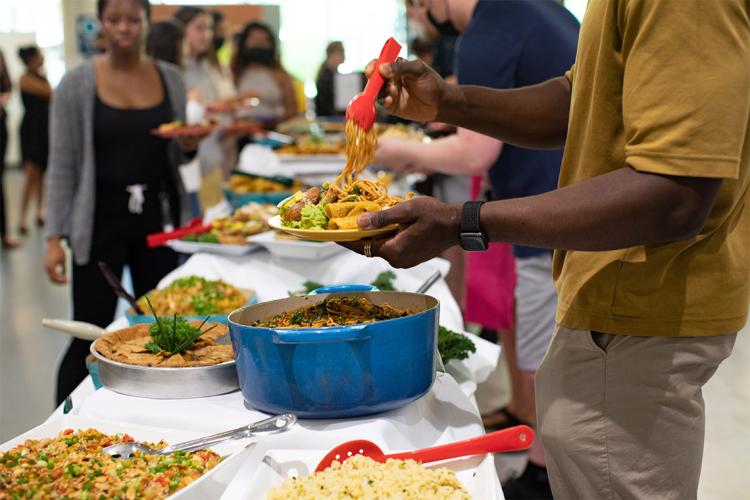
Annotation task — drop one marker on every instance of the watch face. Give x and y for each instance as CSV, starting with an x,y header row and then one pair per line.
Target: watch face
x,y
473,242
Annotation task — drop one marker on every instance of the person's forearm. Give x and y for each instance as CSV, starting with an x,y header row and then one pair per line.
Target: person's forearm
x,y
621,209
533,117
446,155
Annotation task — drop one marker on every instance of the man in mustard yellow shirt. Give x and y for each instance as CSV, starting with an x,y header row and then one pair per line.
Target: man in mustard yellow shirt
x,y
651,223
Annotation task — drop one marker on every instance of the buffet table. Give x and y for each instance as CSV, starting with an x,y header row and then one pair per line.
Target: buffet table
x,y
447,413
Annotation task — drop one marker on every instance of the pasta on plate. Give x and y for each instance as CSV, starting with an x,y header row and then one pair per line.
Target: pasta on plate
x,y
338,204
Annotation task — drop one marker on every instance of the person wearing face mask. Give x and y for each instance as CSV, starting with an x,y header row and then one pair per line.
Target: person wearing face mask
x,y
443,38
324,99
504,45
110,181
257,71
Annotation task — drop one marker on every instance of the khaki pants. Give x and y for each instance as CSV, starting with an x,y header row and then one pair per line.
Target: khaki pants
x,y
623,416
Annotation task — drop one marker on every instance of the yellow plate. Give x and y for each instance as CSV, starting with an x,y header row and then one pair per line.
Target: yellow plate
x,y
331,234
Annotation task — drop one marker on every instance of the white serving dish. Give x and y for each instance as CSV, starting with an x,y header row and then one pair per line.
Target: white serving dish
x,y
191,247
476,473
294,248
210,485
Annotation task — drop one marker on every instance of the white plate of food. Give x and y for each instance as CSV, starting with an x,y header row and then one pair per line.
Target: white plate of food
x,y
102,475
231,250
476,474
290,247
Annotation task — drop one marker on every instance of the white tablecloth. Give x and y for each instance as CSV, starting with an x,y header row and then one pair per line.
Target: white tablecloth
x,y
442,416
447,413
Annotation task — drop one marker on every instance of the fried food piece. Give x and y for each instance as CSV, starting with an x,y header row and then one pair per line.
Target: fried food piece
x,y
310,197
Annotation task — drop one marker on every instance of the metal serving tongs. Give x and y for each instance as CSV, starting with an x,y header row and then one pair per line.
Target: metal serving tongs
x,y
273,425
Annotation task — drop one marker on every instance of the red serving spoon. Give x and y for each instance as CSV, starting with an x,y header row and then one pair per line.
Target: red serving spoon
x,y
361,109
515,438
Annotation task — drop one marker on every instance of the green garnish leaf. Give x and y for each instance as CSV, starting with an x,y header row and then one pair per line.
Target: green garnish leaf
x,y
175,336
384,281
454,345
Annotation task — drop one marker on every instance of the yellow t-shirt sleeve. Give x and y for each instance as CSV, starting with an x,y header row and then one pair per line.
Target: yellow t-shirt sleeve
x,y
679,117
569,74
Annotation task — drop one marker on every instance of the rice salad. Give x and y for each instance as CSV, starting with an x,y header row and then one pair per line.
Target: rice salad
x,y
361,477
73,465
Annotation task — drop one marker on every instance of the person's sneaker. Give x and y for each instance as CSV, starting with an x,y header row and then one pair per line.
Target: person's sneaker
x,y
533,484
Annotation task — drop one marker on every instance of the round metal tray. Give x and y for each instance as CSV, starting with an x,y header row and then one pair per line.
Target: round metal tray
x,y
166,383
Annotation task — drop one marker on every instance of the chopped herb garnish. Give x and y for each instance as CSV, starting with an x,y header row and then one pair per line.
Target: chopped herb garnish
x,y
173,335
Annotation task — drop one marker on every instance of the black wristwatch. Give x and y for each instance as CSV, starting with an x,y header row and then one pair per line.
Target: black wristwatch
x,y
472,237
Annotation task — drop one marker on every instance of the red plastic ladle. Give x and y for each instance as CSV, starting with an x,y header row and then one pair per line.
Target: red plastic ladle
x,y
361,109
515,438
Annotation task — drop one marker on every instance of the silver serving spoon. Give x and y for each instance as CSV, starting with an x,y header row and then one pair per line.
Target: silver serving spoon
x,y
273,425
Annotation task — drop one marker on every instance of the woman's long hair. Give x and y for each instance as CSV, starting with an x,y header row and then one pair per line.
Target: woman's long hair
x,y
185,15
164,41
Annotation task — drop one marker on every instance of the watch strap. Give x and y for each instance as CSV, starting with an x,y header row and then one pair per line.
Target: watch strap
x,y
470,217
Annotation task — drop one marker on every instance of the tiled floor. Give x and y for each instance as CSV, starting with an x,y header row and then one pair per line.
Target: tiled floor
x,y
29,354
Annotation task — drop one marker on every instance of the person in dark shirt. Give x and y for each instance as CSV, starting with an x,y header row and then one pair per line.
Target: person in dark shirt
x,y
324,81
505,44
111,182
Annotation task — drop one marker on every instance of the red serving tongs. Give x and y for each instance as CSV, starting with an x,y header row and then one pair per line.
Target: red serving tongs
x,y
517,438
361,109
195,226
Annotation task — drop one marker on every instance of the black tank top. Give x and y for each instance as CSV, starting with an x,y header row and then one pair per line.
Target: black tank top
x,y
126,153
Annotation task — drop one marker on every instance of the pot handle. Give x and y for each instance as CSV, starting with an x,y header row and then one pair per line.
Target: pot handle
x,y
346,287
347,333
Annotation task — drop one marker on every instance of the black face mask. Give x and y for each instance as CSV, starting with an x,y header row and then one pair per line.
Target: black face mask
x,y
258,55
219,42
446,28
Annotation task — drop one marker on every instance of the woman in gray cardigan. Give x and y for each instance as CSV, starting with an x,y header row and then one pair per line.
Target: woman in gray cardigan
x,y
110,182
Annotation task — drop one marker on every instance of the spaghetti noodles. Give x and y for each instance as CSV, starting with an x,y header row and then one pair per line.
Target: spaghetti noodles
x,y
360,151
333,312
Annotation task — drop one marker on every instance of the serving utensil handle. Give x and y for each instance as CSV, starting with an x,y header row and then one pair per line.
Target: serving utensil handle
x,y
114,282
79,329
429,282
273,425
388,55
515,438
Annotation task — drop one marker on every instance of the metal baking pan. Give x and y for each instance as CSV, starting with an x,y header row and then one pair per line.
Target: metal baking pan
x,y
166,383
